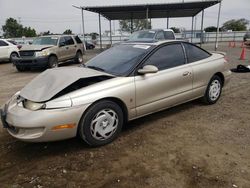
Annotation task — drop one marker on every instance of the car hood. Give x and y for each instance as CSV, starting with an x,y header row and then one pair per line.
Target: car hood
x,y
35,47
49,83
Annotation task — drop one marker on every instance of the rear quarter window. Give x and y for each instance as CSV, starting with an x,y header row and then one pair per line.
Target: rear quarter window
x,y
195,53
78,40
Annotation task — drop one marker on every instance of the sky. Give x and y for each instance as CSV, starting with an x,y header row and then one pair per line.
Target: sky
x,y
59,15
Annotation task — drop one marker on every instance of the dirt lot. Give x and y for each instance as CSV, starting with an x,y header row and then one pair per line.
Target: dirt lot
x,y
192,145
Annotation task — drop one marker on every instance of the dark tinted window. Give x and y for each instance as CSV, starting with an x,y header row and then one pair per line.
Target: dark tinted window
x,y
12,42
120,59
62,41
169,35
2,43
160,35
69,40
194,53
167,57
78,40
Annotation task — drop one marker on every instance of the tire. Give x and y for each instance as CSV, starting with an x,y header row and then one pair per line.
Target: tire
x,y
97,127
13,55
213,90
79,58
52,62
21,68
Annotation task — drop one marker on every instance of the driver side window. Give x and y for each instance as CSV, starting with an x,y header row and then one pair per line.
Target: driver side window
x,y
62,41
167,57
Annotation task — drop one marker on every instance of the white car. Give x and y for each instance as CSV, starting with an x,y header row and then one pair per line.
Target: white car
x,y
8,50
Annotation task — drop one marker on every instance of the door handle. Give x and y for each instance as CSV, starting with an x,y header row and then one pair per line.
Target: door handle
x,y
186,73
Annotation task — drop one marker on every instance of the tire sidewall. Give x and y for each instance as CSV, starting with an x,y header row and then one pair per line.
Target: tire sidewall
x,y
49,62
84,125
77,57
208,99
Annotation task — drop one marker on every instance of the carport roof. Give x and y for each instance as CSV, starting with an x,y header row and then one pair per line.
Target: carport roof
x,y
162,10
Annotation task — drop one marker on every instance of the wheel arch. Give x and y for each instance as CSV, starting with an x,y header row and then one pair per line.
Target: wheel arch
x,y
221,77
116,100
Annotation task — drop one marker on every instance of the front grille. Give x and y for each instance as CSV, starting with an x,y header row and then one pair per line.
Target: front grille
x,y
27,53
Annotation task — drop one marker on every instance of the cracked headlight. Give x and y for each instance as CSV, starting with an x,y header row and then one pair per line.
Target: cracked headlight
x,y
33,105
41,54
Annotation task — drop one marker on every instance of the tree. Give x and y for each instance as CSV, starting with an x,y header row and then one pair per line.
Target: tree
x,y
13,29
67,32
175,29
125,25
28,32
236,25
94,35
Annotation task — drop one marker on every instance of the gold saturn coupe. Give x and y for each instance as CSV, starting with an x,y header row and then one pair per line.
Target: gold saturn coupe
x,y
125,82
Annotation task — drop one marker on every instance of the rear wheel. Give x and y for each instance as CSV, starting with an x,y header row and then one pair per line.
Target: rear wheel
x,y
101,124
53,62
79,57
13,55
213,91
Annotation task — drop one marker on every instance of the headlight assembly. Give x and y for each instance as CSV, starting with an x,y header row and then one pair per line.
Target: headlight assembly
x,y
33,105
41,54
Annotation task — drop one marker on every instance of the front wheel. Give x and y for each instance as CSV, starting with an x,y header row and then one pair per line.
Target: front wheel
x,y
101,124
213,91
53,62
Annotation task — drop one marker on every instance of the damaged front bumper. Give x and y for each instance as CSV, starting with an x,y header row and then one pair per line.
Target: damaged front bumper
x,y
41,125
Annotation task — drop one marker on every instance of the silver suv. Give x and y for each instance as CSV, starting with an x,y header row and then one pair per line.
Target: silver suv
x,y
49,51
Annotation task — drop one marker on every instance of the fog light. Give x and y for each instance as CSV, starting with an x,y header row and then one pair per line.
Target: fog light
x,y
66,126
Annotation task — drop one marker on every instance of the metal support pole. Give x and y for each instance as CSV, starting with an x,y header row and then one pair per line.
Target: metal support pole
x,y
218,29
147,19
202,21
83,28
110,32
167,22
100,31
192,30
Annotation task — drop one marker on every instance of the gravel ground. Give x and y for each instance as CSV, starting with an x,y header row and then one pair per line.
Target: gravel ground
x,y
191,145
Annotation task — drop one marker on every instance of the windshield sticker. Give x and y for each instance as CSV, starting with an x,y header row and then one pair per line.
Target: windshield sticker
x,y
151,31
145,47
54,38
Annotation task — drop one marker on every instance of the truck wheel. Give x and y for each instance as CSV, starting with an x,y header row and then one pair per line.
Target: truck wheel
x,y
53,62
79,58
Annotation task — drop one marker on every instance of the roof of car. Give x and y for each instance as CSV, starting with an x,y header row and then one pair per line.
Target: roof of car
x,y
62,35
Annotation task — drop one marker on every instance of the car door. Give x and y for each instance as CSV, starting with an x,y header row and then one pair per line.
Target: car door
x,y
203,69
171,85
71,47
62,49
4,50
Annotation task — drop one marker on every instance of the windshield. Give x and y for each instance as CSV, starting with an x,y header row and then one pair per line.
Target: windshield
x,y
45,41
140,35
119,59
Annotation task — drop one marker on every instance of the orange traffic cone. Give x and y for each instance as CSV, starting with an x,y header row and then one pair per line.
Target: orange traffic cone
x,y
243,54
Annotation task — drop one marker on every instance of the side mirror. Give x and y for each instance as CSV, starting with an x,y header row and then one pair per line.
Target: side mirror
x,y
61,44
148,69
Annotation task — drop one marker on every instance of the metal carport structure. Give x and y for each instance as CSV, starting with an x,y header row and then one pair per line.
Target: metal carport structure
x,y
154,10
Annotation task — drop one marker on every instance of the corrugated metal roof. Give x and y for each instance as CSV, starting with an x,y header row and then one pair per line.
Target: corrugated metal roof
x,y
156,10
